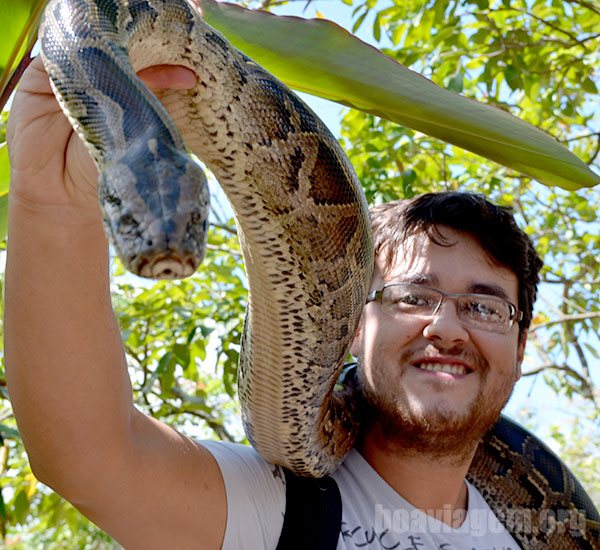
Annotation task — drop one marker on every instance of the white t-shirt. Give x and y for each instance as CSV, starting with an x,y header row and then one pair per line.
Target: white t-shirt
x,y
374,516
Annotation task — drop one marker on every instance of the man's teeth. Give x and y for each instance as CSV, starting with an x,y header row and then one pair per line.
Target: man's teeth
x,y
437,367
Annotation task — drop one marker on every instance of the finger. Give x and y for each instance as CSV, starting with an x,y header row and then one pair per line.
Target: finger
x,y
35,79
163,77
198,5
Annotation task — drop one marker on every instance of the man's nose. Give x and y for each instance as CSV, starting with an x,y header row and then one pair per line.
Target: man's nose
x,y
445,325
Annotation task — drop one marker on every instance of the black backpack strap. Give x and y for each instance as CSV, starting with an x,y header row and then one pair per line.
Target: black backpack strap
x,y
313,514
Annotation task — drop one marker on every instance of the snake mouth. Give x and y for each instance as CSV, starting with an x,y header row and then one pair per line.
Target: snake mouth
x,y
165,267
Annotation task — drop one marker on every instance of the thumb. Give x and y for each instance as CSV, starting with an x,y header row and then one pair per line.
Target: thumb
x,y
163,77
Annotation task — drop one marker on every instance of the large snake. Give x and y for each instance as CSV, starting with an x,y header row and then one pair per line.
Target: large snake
x,y
303,226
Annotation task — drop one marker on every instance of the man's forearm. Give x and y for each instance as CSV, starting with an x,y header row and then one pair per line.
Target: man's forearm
x,y
65,365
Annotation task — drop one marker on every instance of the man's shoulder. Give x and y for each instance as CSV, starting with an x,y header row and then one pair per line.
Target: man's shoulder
x,y
229,449
238,459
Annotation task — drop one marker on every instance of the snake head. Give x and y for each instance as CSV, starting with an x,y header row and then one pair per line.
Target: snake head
x,y
154,204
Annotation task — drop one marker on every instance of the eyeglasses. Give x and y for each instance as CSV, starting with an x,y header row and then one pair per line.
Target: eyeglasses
x,y
476,311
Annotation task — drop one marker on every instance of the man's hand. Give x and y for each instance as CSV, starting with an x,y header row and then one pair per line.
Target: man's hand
x,y
50,165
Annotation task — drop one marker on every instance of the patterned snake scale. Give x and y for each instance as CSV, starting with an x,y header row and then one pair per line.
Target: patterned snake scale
x,y
303,225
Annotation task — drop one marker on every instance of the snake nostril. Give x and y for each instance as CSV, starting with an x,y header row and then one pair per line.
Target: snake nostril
x,y
149,242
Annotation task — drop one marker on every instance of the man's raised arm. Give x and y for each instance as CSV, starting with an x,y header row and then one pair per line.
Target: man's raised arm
x,y
144,483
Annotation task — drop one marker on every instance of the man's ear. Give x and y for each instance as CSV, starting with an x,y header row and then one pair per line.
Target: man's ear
x,y
356,346
520,353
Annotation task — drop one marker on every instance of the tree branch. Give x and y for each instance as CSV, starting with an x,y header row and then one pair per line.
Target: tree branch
x,y
587,388
576,138
15,77
224,250
566,319
212,422
582,359
225,228
585,4
596,152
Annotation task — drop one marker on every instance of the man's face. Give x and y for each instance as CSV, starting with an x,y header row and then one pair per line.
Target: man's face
x,y
411,402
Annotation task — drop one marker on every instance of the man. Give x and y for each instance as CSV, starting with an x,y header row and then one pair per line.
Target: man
x,y
436,365
440,346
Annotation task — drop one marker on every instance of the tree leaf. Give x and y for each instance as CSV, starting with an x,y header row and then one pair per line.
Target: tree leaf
x,y
19,20
166,372
455,84
321,58
7,431
513,78
21,506
4,183
359,21
589,86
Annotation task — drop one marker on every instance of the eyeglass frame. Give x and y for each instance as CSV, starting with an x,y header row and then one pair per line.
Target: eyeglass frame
x,y
516,315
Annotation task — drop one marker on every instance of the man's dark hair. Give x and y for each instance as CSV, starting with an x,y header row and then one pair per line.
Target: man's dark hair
x,y
493,226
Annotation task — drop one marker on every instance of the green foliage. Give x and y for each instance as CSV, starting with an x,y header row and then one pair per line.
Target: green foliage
x,y
182,338
319,57
531,61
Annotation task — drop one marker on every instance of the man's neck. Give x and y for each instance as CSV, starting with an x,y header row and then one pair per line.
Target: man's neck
x,y
434,485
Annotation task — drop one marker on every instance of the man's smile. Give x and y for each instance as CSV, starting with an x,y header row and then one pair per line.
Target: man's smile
x,y
453,369
445,367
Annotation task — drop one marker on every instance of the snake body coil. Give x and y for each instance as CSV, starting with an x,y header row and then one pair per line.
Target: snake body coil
x,y
302,220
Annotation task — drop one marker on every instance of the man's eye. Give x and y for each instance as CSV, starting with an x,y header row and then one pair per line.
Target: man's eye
x,y
484,309
413,300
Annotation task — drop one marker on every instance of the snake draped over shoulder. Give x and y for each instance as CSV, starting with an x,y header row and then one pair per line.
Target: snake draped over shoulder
x,y
302,222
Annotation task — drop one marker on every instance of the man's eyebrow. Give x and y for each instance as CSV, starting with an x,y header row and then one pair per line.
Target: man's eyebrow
x,y
489,288
427,279
432,280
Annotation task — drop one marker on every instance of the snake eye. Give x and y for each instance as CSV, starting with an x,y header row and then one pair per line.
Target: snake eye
x,y
127,222
112,199
127,219
196,218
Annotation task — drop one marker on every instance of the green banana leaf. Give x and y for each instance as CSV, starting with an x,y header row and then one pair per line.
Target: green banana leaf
x,y
19,21
319,57
4,181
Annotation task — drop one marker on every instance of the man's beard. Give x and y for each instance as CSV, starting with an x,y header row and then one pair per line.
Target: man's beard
x,y
434,433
